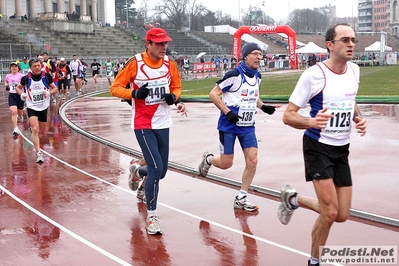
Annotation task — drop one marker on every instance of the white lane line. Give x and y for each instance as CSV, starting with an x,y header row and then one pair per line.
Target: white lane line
x,y
66,230
184,212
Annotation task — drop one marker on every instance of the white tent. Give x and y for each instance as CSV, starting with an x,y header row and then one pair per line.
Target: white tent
x,y
376,47
298,43
311,47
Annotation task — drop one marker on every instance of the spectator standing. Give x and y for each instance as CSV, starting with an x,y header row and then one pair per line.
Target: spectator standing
x,y
217,64
185,65
24,65
225,63
233,62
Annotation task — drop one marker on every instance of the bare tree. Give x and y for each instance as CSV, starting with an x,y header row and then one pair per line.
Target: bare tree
x,y
253,15
198,17
124,11
306,20
181,13
175,11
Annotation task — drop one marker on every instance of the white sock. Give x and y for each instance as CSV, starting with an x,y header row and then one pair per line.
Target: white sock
x,y
313,261
294,201
242,194
151,213
208,159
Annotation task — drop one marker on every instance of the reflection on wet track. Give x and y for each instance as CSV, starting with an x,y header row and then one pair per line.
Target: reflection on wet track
x,y
77,205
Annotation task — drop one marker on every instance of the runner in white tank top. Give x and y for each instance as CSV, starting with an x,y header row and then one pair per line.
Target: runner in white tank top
x,y
330,88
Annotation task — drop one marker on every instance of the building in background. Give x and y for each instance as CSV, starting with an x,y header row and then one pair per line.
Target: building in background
x,y
97,11
378,15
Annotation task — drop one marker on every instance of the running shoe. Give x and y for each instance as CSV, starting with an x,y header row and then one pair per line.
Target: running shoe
x,y
244,204
153,227
134,176
15,133
141,195
21,118
67,93
286,209
309,264
40,158
203,168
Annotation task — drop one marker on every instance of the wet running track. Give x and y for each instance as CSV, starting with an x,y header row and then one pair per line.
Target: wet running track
x,y
77,209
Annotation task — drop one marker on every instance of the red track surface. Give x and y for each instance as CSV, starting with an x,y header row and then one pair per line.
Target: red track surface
x,y
96,220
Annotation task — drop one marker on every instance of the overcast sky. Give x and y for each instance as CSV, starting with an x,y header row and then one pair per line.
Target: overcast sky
x,y
276,9
279,9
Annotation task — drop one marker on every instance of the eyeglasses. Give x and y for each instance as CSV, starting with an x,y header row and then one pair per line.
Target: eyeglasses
x,y
256,53
346,40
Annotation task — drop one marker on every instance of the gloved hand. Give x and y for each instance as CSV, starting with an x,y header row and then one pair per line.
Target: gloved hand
x,y
170,98
23,96
232,117
46,93
141,93
269,109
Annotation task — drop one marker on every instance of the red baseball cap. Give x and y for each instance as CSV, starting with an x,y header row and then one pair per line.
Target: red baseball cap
x,y
157,35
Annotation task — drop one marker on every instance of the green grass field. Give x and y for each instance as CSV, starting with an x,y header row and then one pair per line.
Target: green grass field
x,y
377,84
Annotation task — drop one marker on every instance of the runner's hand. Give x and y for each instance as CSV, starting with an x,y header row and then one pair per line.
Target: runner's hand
x,y
7,88
170,98
232,117
181,108
141,93
23,96
268,109
46,93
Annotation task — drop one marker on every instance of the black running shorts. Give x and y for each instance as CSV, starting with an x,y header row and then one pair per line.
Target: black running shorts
x,y
41,115
324,161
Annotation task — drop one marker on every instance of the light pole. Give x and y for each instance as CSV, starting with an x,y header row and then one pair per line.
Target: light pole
x,y
263,13
239,16
127,15
189,16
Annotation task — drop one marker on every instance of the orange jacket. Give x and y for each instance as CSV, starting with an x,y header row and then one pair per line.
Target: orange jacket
x,y
129,72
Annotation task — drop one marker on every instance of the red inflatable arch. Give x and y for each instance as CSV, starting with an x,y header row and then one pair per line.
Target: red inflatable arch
x,y
267,29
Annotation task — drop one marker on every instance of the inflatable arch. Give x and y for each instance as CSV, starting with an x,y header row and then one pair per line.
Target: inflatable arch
x,y
267,29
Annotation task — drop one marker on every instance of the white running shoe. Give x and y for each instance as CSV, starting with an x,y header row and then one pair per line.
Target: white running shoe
x,y
203,167
15,133
134,176
285,210
153,227
40,158
141,195
244,204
